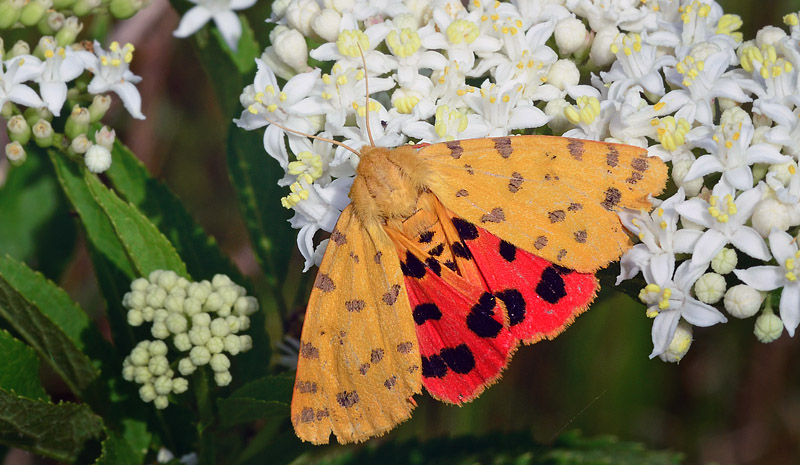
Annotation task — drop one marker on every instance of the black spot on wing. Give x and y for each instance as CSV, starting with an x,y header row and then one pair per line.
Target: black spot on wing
x,y
466,230
551,287
437,250
425,312
434,265
460,250
515,305
480,319
426,237
433,367
508,251
459,359
412,266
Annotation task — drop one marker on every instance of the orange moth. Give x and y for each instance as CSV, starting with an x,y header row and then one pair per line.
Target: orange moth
x,y
448,257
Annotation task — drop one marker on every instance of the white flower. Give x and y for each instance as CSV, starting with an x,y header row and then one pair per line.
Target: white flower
x,y
265,103
97,159
60,66
670,300
352,42
221,11
459,38
111,73
503,108
681,342
637,64
13,73
785,275
724,216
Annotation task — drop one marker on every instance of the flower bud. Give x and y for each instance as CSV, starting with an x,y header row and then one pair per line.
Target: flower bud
x,y
601,54
34,11
179,385
725,261
163,385
62,4
16,154
99,107
223,379
679,170
80,144
97,159
680,343
215,345
291,48
279,8
147,392
770,213
8,108
18,129
742,301
77,123
783,171
69,32
563,74
182,342
300,13
158,365
51,23
124,9
33,115
570,35
161,402
220,363
710,288
10,11
135,317
326,24
20,48
199,355
186,367
558,120
84,7
769,327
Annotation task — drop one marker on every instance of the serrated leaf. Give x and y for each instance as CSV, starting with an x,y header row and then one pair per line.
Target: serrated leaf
x,y
36,226
265,397
20,373
59,431
200,251
147,248
47,338
255,177
116,451
57,306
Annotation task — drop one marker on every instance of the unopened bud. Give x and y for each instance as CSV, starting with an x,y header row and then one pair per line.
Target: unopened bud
x,y
124,9
570,35
69,32
84,7
20,48
80,144
34,11
62,4
10,11
680,343
77,123
15,153
99,107
105,137
291,48
18,129
769,327
51,23
42,133
326,24
601,54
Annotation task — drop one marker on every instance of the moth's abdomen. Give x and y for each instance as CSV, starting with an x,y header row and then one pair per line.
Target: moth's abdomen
x,y
388,183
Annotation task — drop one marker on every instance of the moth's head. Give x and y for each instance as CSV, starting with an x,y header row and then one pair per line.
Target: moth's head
x,y
383,187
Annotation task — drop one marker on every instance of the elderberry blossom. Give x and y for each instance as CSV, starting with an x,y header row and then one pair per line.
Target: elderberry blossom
x,y
202,320
676,77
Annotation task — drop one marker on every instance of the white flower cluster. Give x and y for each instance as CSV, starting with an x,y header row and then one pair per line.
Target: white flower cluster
x,y
673,76
201,318
52,66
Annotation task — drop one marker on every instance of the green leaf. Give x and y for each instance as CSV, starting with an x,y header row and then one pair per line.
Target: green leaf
x,y
246,50
46,337
20,373
144,244
201,253
36,226
255,177
265,397
506,449
59,431
58,307
117,451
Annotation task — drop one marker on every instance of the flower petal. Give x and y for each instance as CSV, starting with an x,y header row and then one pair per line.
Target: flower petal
x,y
663,331
704,165
192,21
750,242
783,245
790,307
130,98
762,278
708,246
699,314
229,26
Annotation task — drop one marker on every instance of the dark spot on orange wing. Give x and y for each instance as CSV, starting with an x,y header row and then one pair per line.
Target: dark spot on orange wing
x,y
469,169
495,216
462,193
515,184
391,297
613,196
425,237
576,149
412,266
434,265
405,347
389,383
306,387
363,368
466,230
413,368
452,265
376,355
561,254
377,257
612,156
322,414
355,305
307,415
580,236
437,250
324,283
347,399
541,242
556,216
308,351
354,257
503,146
455,148
640,164
338,237
573,207
635,177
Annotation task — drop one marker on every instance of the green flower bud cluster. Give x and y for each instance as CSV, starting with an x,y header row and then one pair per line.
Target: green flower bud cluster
x,y
148,365
200,319
40,13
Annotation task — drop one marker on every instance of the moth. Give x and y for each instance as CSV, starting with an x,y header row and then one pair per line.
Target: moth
x,y
448,257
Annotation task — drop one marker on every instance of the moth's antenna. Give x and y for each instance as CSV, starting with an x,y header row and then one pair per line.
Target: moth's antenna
x,y
324,139
366,89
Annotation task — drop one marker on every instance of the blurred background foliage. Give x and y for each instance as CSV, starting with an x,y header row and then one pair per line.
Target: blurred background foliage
x,y
731,400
